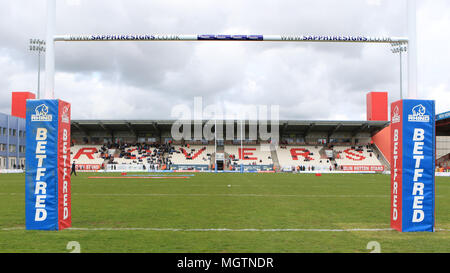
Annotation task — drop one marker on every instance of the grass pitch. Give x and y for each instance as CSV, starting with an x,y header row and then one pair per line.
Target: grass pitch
x,y
256,213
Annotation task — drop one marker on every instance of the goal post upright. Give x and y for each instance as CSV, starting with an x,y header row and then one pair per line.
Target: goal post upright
x,y
412,48
49,84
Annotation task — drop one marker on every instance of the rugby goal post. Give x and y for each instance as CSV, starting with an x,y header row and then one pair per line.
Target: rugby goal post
x,y
412,132
51,38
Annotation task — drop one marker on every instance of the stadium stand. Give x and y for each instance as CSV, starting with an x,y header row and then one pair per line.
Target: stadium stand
x,y
249,155
361,155
192,154
443,142
88,157
288,157
291,156
154,155
147,144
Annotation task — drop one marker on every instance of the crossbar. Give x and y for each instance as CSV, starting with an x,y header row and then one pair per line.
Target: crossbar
x,y
227,37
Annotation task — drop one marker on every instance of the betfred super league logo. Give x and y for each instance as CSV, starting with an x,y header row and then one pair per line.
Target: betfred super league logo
x,y
418,114
41,114
396,115
65,114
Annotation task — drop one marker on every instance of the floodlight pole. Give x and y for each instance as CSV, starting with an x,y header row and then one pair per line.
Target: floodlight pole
x,y
215,144
401,76
39,76
400,48
242,146
39,46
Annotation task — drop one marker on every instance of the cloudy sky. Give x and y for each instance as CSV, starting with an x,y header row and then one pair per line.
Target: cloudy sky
x,y
145,80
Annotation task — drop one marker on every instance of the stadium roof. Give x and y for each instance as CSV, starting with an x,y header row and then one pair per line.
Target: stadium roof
x,y
443,116
443,124
286,126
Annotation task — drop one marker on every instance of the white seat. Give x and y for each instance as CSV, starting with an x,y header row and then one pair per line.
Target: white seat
x,y
83,158
348,156
307,156
194,155
257,154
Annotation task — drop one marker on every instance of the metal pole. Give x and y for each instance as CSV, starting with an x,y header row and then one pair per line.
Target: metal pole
x,y
242,147
50,51
39,75
412,49
215,145
401,77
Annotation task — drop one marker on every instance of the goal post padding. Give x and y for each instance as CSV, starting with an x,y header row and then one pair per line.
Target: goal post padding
x,y
413,139
47,175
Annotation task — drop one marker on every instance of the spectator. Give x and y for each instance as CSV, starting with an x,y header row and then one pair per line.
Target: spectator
x,y
73,169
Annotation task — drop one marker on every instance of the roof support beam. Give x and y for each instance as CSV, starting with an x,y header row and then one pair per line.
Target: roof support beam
x,y
133,131
334,130
78,126
156,127
308,130
283,128
109,131
362,128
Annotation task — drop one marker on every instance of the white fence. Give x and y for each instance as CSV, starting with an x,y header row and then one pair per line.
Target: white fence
x,y
11,171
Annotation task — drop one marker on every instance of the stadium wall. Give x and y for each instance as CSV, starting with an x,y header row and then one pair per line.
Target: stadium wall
x,y
18,103
382,141
377,106
12,142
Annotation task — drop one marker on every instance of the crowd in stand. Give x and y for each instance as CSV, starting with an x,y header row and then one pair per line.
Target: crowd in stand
x,y
18,167
190,153
443,166
302,168
104,152
156,155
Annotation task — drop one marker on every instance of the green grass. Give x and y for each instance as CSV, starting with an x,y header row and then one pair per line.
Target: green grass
x,y
254,201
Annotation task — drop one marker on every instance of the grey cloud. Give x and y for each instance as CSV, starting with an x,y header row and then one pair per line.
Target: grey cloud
x,y
145,80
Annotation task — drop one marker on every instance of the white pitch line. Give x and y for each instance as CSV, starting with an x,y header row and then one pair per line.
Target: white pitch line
x,y
226,195
12,228
226,229
232,195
